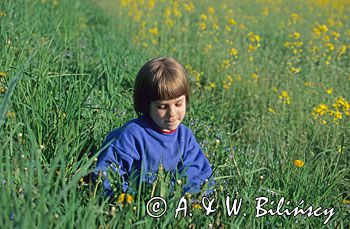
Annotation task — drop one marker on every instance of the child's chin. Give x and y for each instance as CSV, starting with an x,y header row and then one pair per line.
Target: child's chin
x,y
170,127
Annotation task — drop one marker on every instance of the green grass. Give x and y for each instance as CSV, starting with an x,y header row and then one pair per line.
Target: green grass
x,y
70,68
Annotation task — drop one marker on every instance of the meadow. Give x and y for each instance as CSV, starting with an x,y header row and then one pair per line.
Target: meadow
x,y
270,107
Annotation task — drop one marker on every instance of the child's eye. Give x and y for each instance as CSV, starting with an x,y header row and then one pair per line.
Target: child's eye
x,y
161,106
178,104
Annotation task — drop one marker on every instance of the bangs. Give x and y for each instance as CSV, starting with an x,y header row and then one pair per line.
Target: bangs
x,y
170,87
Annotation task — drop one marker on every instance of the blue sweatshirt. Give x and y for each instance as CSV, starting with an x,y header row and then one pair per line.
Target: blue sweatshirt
x,y
140,144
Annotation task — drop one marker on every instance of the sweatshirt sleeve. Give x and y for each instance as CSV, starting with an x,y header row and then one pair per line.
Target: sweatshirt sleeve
x,y
119,154
197,166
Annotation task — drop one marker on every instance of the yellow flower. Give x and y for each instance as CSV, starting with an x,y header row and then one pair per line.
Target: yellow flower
x,y
226,86
125,198
254,41
298,43
232,21
151,4
330,46
321,109
335,35
340,149
294,16
251,48
167,12
123,2
287,44
342,50
11,114
257,38
129,198
323,28
212,85
294,70
211,10
202,25
327,38
255,77
153,31
341,102
169,22
242,26
284,97
284,94
203,17
121,198
188,6
253,37
176,11
294,35
329,91
3,74
316,32
233,52
271,110
229,79
265,11
298,163
154,42
225,64
227,82
337,115
216,26
196,206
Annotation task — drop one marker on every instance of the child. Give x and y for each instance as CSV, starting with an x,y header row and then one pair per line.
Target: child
x,y
157,137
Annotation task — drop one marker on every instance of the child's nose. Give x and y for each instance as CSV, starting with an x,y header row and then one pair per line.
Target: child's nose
x,y
171,111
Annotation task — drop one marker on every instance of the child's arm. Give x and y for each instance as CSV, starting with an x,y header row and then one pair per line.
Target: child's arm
x,y
118,160
197,166
106,159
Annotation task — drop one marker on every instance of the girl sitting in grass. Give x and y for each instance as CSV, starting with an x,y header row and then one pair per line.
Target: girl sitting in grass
x,y
157,138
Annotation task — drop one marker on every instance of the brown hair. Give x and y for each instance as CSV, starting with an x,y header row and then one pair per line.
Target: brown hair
x,y
159,79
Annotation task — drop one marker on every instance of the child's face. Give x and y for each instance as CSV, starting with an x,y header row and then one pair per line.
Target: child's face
x,y
168,114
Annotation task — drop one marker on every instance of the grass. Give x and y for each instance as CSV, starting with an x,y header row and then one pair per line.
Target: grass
x,y
67,72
